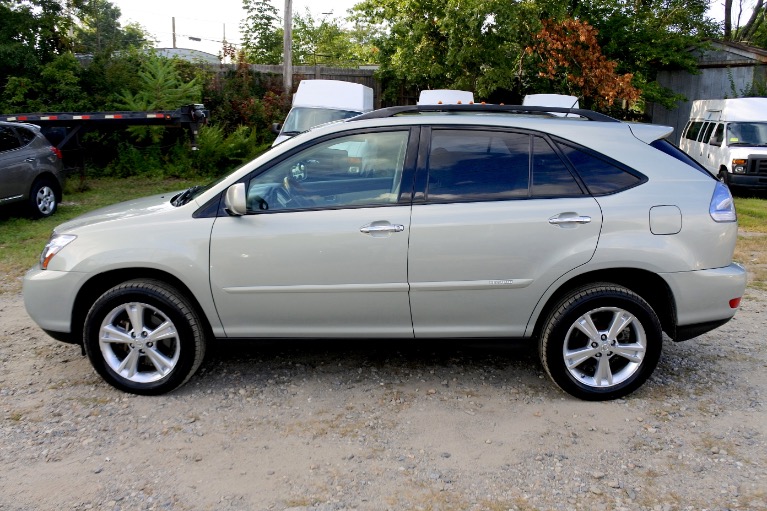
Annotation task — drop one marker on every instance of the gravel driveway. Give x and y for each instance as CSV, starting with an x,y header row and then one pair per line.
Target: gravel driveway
x,y
376,425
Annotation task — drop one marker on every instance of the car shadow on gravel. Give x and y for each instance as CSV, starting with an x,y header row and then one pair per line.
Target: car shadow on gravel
x,y
255,362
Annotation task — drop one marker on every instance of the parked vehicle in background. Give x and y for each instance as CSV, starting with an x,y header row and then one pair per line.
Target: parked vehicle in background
x,y
729,138
321,101
445,97
558,100
30,169
588,236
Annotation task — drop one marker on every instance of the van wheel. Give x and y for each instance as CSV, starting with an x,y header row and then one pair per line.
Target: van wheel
x,y
601,342
144,337
723,177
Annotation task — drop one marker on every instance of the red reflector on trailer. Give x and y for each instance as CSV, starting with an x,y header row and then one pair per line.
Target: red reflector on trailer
x,y
735,303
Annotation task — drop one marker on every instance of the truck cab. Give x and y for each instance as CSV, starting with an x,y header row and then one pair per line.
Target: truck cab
x,y
321,101
729,138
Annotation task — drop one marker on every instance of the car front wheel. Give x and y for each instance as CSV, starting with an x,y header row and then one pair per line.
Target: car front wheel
x,y
143,337
601,342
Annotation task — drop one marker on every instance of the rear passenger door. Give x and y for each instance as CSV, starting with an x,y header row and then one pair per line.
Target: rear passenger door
x,y
499,217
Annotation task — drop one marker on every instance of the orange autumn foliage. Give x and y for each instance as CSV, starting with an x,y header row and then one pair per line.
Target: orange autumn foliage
x,y
569,50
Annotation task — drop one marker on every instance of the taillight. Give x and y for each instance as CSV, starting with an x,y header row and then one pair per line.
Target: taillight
x,y
57,152
735,303
722,206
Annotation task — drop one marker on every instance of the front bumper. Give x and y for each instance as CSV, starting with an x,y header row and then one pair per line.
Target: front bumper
x,y
49,298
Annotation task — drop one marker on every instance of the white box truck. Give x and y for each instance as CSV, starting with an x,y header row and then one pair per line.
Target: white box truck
x,y
320,101
729,138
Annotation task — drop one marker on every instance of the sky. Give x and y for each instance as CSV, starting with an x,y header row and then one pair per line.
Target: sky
x,y
208,20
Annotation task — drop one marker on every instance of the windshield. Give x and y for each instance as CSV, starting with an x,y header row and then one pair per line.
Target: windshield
x,y
747,134
301,119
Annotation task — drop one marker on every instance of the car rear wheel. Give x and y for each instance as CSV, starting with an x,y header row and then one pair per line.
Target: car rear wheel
x,y
42,198
143,337
601,342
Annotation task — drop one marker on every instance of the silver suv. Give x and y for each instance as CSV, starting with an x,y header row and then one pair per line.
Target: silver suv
x,y
30,169
586,235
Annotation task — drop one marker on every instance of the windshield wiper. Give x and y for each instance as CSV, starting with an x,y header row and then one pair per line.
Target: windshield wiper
x,y
185,196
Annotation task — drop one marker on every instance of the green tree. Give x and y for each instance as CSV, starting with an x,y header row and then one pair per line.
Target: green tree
x,y
261,32
160,88
98,29
31,35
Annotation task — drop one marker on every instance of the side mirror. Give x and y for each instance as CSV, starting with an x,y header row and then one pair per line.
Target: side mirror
x,y
235,201
276,128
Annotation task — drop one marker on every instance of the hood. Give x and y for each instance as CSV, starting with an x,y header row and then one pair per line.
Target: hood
x,y
142,207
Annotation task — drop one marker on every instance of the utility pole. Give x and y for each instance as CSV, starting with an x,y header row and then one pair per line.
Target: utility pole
x,y
173,21
287,44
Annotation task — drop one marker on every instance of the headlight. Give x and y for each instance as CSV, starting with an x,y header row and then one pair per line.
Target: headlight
x,y
54,246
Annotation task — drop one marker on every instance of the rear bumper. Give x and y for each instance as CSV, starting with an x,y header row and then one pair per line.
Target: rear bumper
x,y
703,298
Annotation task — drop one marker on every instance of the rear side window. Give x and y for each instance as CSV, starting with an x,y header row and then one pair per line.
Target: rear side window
x,y
8,139
551,178
600,176
709,127
478,165
693,130
670,149
718,137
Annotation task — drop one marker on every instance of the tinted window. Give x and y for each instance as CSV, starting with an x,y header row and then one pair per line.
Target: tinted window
x,y
478,165
25,135
718,136
8,139
692,132
708,128
355,170
600,176
670,149
551,178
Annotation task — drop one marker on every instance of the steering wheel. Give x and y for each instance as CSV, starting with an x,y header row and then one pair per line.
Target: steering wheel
x,y
294,193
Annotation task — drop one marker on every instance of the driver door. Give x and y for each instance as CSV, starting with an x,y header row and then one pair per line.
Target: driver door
x,y
323,250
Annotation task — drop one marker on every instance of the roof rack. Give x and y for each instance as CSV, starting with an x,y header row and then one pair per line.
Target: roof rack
x,y
481,107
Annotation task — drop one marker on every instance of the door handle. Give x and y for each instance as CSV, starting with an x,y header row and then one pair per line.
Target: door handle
x,y
381,228
566,220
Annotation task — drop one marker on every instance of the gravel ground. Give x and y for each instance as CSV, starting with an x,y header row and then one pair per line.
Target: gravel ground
x,y
376,425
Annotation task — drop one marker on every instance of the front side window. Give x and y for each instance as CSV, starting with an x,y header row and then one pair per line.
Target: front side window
x,y
467,165
350,171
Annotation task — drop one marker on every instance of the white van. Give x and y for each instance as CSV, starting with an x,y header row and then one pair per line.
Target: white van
x,y
320,101
729,138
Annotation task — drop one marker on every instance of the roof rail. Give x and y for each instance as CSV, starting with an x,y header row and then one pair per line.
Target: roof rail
x,y
481,107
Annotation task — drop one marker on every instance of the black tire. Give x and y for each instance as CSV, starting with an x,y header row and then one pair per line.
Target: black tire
x,y
608,363
156,360
43,198
723,177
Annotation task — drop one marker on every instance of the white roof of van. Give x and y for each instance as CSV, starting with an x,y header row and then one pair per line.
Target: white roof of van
x,y
730,110
445,97
334,94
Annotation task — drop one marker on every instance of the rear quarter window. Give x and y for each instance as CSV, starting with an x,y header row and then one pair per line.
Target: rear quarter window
x,y
600,175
